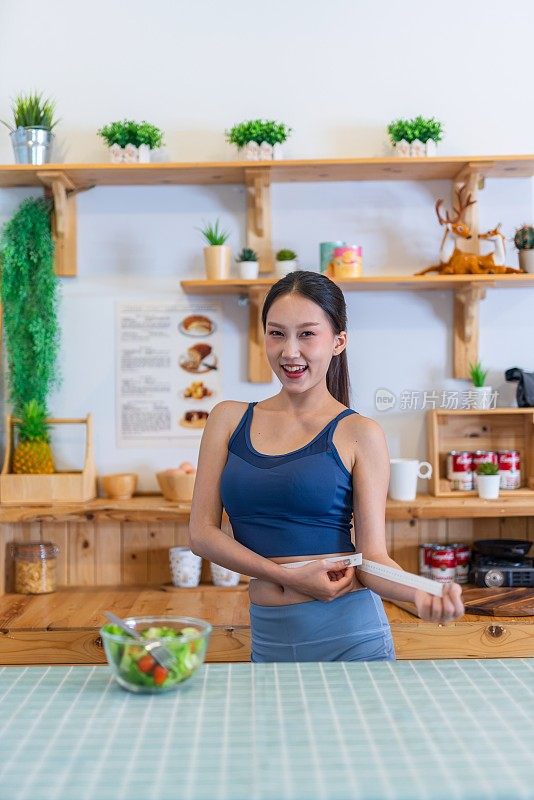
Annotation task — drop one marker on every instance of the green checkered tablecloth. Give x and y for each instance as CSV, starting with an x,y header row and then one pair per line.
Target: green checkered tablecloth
x,y
377,730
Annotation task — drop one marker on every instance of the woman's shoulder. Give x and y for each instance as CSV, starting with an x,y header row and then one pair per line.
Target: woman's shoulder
x,y
227,414
366,429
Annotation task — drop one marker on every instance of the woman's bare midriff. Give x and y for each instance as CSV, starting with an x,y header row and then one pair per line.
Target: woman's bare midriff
x,y
266,593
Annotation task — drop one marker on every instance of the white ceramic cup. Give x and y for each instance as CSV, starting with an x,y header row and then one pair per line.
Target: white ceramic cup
x,y
185,567
403,477
221,576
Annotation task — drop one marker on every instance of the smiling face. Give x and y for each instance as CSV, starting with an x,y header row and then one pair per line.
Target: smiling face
x,y
300,342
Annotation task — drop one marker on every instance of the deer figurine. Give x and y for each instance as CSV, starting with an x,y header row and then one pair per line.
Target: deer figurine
x,y
458,262
498,238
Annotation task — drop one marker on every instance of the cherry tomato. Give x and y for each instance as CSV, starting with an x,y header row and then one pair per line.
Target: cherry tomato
x,y
146,664
159,674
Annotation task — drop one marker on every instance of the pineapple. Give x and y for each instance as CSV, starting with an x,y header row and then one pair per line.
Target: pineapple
x,y
33,455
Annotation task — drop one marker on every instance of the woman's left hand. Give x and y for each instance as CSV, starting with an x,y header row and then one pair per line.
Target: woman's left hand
x,y
440,609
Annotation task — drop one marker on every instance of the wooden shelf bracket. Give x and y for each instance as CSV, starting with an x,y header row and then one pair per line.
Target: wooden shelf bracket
x,y
466,315
259,369
258,187
62,191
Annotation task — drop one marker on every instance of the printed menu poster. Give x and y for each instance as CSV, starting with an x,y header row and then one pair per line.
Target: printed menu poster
x,y
168,372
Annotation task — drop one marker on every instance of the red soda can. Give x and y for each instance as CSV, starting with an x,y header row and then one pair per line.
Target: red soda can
x,y
509,469
463,557
425,551
460,470
443,563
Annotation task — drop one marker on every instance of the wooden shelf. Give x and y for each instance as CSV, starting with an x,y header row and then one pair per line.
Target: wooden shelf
x,y
63,627
153,508
62,182
369,283
86,176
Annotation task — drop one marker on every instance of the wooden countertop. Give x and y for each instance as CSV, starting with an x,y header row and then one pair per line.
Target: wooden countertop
x,y
62,627
154,508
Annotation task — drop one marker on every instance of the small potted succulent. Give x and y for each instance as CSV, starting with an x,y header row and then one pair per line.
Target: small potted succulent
x,y
258,139
416,137
248,263
217,254
131,142
524,241
480,393
488,481
285,262
31,135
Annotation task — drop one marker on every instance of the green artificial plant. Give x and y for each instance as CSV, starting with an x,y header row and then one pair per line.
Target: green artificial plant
x,y
29,292
286,255
31,111
419,127
258,130
129,132
477,374
247,254
213,234
487,468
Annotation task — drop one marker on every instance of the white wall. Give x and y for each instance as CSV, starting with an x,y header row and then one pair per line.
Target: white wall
x,y
337,72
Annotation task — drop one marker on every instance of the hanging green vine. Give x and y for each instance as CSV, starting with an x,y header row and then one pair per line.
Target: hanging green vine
x,y
30,293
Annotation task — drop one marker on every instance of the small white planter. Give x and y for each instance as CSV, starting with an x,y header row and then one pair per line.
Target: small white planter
x,y
488,486
285,267
480,397
253,151
526,260
402,148
248,269
221,576
130,154
415,149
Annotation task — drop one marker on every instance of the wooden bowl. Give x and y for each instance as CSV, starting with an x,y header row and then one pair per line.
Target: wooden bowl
x,y
120,485
177,486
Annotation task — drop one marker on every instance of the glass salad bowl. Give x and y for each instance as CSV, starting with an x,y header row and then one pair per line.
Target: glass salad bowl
x,y
136,669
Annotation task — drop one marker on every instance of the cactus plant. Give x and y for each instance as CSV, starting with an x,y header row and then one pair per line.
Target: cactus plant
x,y
524,238
487,468
286,255
247,254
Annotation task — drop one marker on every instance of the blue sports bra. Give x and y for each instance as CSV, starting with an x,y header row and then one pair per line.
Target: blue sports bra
x,y
298,503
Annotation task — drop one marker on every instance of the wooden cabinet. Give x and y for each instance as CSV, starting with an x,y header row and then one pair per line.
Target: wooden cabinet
x,y
114,554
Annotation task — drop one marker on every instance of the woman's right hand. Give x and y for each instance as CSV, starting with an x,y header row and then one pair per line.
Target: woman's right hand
x,y
319,580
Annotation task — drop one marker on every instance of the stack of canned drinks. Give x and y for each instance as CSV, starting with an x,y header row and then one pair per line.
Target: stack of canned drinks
x,y
462,467
445,563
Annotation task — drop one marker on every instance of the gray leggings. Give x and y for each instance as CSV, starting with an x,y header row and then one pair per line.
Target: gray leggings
x,y
353,627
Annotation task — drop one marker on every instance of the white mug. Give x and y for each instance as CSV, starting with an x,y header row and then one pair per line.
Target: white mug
x,y
185,567
403,477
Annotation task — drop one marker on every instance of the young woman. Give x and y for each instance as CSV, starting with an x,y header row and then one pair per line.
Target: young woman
x,y
290,472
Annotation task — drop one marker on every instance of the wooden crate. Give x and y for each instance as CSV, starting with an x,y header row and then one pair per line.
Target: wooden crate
x,y
468,429
60,487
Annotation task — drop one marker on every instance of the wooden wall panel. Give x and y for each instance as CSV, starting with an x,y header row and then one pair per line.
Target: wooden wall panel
x,y
81,554
108,552
112,553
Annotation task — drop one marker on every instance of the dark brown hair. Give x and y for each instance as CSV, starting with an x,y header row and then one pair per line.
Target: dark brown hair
x,y
328,296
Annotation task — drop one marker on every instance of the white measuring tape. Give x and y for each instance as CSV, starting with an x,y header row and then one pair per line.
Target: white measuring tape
x,y
382,571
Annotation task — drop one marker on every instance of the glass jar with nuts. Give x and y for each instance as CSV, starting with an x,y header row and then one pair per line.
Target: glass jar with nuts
x,y
35,567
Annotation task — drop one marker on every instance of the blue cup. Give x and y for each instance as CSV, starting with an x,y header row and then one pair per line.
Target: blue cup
x,y
325,253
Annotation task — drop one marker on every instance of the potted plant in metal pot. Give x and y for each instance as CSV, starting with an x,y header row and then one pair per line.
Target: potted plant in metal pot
x,y
524,241
488,481
31,135
248,263
480,393
217,254
258,139
131,142
285,262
